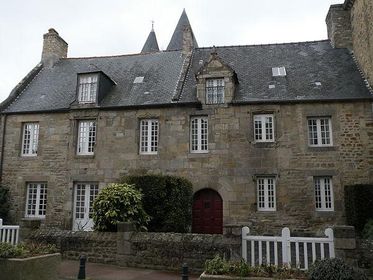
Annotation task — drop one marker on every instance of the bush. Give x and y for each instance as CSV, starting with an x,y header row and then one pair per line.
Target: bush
x,y
24,250
220,266
4,203
334,269
368,230
118,203
167,199
359,205
10,251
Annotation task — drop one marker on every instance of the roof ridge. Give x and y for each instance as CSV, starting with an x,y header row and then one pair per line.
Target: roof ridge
x,y
269,44
120,55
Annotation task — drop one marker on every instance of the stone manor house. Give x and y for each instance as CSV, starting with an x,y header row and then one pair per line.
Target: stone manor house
x,y
269,135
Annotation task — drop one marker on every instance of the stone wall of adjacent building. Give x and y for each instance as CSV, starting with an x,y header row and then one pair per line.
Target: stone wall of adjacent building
x,y
230,167
362,35
339,26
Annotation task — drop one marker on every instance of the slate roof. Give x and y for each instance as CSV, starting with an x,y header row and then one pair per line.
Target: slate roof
x,y
55,88
306,63
151,44
176,42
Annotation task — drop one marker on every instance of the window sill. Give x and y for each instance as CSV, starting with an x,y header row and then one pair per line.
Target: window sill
x,y
198,155
29,157
33,218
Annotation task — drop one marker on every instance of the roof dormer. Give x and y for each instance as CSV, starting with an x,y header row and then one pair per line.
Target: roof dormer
x,y
216,82
92,88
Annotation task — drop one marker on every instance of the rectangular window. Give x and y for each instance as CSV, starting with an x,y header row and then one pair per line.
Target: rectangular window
x,y
30,139
324,200
266,194
214,91
320,132
86,137
199,135
149,136
87,88
36,200
279,71
263,128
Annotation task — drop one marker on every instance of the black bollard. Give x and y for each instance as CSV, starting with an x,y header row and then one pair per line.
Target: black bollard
x,y
184,275
81,274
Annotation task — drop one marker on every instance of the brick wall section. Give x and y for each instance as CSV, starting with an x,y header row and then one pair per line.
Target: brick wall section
x,y
229,168
362,36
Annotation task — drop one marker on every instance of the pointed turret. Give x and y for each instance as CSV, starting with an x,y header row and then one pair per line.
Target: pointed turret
x,y
177,41
151,44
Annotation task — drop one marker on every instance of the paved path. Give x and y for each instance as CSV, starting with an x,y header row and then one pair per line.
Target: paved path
x,y
69,270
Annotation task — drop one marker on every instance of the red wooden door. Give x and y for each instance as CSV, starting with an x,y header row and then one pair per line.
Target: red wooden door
x,y
207,212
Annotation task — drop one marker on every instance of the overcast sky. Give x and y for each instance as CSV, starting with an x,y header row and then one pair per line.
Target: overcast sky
x,y
96,27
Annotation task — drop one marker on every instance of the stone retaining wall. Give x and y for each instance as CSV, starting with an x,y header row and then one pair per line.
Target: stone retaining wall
x,y
142,249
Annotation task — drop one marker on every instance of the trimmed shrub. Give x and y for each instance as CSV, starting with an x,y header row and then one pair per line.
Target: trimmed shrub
x,y
359,205
4,203
368,230
118,203
167,199
334,269
25,250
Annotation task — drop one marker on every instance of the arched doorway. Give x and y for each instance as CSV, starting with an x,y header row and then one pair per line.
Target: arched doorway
x,y
207,212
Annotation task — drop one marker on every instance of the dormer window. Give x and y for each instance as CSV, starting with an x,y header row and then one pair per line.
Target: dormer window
x,y
278,71
87,90
214,91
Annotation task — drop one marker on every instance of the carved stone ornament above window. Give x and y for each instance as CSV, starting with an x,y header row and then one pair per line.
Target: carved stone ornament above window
x,y
216,82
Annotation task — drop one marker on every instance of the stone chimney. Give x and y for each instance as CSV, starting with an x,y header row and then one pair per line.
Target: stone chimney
x,y
339,26
54,48
188,42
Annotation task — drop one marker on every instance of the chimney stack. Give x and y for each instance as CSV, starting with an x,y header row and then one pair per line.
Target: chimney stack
x,y
54,48
339,26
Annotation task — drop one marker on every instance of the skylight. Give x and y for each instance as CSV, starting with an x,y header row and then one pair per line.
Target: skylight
x,y
138,80
278,71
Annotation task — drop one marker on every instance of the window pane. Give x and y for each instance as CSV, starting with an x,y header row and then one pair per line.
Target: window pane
x,y
199,134
36,201
319,132
214,91
86,137
30,139
149,136
87,88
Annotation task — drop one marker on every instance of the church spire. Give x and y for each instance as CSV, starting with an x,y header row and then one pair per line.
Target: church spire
x,y
151,44
178,38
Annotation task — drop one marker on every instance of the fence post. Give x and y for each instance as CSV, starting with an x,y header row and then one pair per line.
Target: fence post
x,y
81,274
1,223
285,240
244,232
185,272
329,233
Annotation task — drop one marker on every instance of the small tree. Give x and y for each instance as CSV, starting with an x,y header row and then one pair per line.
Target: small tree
x,y
167,199
4,203
118,203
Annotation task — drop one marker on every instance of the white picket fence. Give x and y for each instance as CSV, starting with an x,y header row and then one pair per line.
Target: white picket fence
x,y
9,234
286,250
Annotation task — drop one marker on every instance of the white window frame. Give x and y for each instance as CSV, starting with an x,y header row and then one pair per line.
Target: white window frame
x,y
199,135
264,133
86,140
279,71
149,136
321,135
30,139
215,91
36,200
266,193
324,195
87,88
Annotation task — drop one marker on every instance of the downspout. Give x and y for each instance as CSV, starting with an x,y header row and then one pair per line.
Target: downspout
x,y
3,130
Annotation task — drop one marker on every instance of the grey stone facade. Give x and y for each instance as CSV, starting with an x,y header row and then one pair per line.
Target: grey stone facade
x,y
321,82
230,166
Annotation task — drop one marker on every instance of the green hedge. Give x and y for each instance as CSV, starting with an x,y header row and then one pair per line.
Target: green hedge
x,y
4,203
167,199
359,205
118,203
